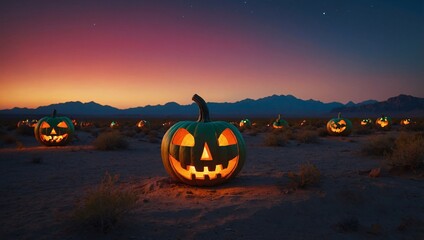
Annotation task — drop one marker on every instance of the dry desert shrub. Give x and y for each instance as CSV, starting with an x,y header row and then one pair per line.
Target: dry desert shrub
x,y
363,131
110,141
408,152
307,136
380,145
8,139
104,206
322,132
308,175
276,139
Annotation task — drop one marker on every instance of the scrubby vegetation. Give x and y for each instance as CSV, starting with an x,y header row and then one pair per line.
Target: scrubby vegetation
x,y
276,139
308,175
408,152
307,136
110,141
381,145
104,206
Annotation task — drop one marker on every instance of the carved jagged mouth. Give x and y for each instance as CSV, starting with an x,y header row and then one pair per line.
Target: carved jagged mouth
x,y
338,128
54,138
191,173
383,124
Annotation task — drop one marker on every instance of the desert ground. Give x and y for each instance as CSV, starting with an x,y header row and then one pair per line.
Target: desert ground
x,y
41,186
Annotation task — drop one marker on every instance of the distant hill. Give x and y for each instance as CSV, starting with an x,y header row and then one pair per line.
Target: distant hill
x,y
74,108
287,105
402,105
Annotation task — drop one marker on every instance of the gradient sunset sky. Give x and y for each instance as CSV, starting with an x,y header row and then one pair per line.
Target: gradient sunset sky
x,y
134,53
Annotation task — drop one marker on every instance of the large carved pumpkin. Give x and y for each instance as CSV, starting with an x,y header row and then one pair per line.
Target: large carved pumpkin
x,y
54,131
383,122
280,123
203,153
339,126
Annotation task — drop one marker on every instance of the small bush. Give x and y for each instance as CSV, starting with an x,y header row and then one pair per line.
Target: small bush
x,y
408,152
307,136
104,206
379,145
275,139
322,132
308,175
9,139
363,131
110,141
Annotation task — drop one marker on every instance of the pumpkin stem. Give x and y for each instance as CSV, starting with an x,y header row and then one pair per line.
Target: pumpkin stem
x,y
340,115
54,113
203,108
279,117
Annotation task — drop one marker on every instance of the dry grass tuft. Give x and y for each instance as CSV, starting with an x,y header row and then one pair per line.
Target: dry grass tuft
x,y
408,152
103,207
276,139
308,175
110,141
381,145
307,136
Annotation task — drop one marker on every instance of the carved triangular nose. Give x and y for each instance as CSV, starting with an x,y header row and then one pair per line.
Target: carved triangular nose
x,y
53,132
206,154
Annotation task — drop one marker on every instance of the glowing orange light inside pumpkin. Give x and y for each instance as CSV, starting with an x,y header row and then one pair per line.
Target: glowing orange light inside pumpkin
x,y
212,174
206,154
183,138
227,138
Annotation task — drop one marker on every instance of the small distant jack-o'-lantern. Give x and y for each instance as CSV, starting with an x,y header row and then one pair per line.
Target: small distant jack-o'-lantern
x,y
339,126
203,153
383,122
54,131
280,123
405,122
114,124
366,122
143,124
245,123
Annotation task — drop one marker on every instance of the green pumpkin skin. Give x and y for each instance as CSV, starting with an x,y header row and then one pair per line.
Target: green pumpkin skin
x,y
203,131
335,122
280,123
53,122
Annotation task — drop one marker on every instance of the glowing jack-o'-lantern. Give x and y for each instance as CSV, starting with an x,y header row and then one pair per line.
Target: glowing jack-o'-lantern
x,y
280,123
383,122
366,122
245,123
114,124
405,122
339,126
143,124
54,131
203,153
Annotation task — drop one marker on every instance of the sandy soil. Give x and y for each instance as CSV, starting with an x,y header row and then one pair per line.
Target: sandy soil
x,y
37,198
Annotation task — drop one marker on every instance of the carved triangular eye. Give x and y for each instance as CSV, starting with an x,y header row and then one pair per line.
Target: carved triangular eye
x,y
183,138
62,125
44,125
227,138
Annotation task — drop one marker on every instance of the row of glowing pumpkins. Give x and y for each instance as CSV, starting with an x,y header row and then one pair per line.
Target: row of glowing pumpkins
x,y
201,153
